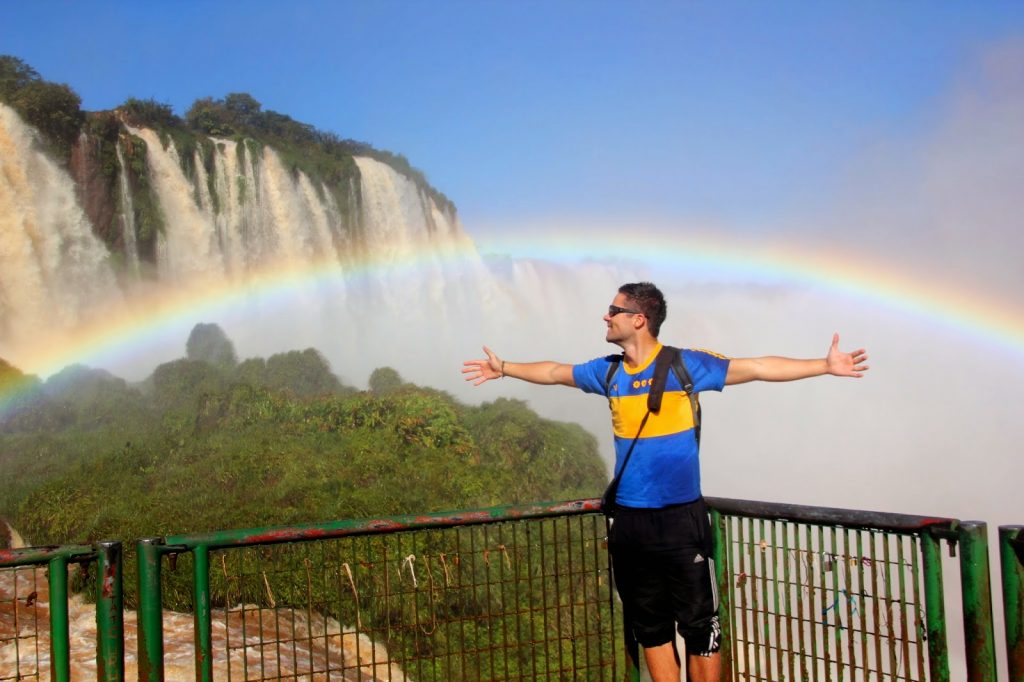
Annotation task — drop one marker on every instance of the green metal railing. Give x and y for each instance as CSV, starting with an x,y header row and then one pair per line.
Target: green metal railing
x,y
518,593
1011,556
817,593
523,593
40,644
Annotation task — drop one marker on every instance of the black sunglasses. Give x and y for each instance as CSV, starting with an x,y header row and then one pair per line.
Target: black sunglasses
x,y
614,310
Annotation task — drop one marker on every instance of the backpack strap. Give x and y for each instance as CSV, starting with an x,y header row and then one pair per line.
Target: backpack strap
x,y
613,367
669,357
679,367
666,358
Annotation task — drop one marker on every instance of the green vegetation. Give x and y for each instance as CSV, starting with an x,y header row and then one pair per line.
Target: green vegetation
x,y
52,108
204,445
385,380
208,443
148,113
208,343
323,156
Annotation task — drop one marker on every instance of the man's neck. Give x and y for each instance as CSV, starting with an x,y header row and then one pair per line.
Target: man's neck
x,y
637,349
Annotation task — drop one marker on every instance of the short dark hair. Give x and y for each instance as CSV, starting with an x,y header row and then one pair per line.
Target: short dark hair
x,y
649,300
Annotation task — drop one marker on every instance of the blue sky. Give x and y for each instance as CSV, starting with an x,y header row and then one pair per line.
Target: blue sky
x,y
734,112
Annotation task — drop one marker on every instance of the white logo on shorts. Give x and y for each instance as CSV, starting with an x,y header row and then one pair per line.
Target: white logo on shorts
x,y
699,558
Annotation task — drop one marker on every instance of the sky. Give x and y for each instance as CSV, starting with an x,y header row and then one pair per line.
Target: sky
x,y
786,169
728,111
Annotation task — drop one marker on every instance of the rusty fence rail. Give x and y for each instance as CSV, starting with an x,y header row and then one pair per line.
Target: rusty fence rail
x,y
523,592
508,593
35,607
818,593
1011,555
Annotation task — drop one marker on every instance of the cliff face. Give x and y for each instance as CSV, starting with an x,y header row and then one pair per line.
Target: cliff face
x,y
137,205
121,173
95,187
94,204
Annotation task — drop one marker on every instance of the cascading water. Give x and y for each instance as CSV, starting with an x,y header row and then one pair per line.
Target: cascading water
x,y
315,641
53,272
265,216
230,220
127,217
188,248
402,224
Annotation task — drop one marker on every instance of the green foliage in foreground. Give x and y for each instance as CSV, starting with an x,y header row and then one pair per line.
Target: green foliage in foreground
x,y
205,444
203,447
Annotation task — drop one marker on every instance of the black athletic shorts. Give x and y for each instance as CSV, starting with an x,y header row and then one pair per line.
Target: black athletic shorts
x,y
665,575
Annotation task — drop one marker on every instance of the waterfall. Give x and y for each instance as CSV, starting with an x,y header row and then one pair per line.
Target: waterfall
x,y
188,250
399,227
377,271
127,216
54,273
394,263
298,219
261,214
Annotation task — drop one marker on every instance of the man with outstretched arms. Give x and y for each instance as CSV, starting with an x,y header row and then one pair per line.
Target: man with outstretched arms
x,y
660,540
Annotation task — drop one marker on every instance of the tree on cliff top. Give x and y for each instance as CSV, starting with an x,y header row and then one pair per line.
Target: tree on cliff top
x,y
52,108
15,75
149,112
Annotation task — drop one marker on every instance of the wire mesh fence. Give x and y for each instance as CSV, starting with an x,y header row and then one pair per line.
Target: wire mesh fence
x,y
815,593
816,603
47,630
24,624
526,599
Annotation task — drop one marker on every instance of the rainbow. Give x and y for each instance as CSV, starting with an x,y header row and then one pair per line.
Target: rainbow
x,y
979,315
147,318
142,323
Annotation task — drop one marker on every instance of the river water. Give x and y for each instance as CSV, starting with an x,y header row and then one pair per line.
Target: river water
x,y
265,643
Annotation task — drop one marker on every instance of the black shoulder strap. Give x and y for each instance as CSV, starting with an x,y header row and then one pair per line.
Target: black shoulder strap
x,y
666,357
612,369
679,367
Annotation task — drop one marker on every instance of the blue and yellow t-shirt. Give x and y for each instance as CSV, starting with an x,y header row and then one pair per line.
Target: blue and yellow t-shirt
x,y
664,468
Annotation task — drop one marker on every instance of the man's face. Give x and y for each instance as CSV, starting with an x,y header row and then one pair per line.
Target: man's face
x,y
621,325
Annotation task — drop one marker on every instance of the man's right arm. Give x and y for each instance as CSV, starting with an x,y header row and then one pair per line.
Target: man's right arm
x,y
493,367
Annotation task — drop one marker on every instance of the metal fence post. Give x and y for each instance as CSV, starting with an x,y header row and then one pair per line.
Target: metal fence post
x,y
977,602
150,630
109,612
60,634
201,607
935,609
1011,554
721,557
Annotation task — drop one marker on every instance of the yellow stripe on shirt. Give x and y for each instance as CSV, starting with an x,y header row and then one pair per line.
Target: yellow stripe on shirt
x,y
628,412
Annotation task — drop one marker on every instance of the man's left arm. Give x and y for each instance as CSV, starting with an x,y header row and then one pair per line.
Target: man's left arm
x,y
775,368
